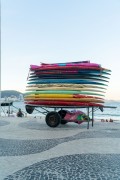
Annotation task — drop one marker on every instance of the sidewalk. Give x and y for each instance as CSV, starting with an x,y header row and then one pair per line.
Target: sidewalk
x,y
29,149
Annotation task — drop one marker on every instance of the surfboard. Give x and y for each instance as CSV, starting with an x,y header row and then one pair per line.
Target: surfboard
x,y
97,79
74,81
66,84
76,62
64,99
60,95
68,71
67,76
63,103
87,63
63,88
28,94
72,66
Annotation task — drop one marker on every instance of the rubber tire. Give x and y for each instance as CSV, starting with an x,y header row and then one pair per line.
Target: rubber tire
x,y
64,122
29,109
53,119
62,113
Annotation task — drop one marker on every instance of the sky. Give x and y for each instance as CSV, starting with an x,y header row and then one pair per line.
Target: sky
x,y
50,31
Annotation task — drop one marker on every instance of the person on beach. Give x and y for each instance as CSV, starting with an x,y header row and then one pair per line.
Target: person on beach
x,y
19,113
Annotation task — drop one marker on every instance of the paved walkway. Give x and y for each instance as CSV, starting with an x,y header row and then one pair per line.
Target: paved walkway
x,y
30,150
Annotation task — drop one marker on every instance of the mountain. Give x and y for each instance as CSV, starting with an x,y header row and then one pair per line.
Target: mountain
x,y
9,93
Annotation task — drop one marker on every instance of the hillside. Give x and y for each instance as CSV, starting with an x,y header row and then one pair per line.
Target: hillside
x,y
9,93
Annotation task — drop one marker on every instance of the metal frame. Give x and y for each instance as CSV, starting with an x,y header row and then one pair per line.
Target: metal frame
x,y
93,109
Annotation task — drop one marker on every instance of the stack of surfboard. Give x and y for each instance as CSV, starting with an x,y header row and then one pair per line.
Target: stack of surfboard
x,y
67,84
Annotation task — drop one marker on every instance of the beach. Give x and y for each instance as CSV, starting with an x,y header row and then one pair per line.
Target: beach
x,y
29,149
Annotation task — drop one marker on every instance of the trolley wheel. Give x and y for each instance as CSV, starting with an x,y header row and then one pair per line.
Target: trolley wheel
x,y
29,109
64,121
53,119
62,113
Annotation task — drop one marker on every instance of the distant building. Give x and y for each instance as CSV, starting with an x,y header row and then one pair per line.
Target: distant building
x,y
20,97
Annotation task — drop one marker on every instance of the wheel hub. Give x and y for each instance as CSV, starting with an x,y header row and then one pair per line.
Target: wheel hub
x,y
52,119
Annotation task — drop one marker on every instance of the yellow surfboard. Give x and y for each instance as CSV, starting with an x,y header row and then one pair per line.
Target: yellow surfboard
x,y
49,95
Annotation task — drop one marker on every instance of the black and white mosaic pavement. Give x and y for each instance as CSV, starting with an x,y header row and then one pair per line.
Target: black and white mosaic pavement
x,y
77,165
12,147
73,167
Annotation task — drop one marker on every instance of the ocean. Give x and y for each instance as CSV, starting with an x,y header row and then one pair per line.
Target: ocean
x,y
108,113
